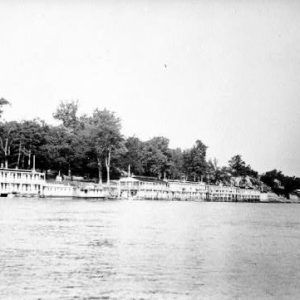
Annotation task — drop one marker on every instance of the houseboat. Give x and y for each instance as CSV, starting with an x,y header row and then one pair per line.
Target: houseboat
x,y
187,190
27,183
89,191
30,183
21,182
222,193
141,187
56,189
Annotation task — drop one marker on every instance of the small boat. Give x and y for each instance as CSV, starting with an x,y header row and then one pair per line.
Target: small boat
x,y
90,191
7,195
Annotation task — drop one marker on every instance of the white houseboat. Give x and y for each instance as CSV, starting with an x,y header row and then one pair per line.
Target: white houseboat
x,y
57,190
89,191
29,183
187,190
32,183
21,182
222,193
141,187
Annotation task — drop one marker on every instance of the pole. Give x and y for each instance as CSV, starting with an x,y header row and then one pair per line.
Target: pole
x,y
33,167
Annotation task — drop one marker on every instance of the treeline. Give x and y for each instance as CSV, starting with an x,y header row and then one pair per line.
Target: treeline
x,y
92,146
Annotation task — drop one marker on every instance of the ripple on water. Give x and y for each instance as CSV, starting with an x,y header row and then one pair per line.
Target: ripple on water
x,y
58,249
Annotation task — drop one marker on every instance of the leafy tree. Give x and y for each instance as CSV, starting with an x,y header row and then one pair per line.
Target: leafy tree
x,y
156,157
19,141
272,178
67,113
8,137
224,176
133,156
290,184
59,149
238,167
213,171
176,164
195,161
216,174
31,139
3,102
105,139
280,183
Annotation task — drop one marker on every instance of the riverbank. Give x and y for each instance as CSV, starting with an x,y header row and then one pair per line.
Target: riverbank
x,y
29,183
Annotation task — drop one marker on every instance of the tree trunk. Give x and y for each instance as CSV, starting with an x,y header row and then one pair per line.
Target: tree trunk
x,y
23,161
6,149
19,155
107,164
29,159
6,154
99,170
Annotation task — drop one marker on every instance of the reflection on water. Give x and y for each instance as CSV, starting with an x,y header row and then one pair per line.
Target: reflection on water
x,y
87,249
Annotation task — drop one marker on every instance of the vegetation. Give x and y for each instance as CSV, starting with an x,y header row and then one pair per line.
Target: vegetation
x,y
280,184
3,102
92,146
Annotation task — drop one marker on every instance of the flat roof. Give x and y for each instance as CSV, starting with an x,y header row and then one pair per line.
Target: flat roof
x,y
183,181
149,179
20,170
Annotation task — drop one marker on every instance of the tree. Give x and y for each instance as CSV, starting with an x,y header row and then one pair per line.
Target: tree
x,y
67,113
19,141
2,103
213,171
105,139
217,174
176,164
238,167
195,161
133,156
273,179
157,157
31,139
59,148
8,136
291,184
280,183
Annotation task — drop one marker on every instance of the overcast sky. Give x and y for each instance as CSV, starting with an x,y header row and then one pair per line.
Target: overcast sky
x,y
225,72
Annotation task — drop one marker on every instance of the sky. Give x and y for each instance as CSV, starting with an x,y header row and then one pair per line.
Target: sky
x,y
224,72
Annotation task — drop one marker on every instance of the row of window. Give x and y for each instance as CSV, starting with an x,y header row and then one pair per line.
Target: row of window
x,y
51,188
21,176
19,187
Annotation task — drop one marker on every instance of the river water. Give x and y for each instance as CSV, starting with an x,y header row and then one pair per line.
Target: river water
x,y
88,249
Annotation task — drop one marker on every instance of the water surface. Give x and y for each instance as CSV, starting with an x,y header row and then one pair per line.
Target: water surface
x,y
88,249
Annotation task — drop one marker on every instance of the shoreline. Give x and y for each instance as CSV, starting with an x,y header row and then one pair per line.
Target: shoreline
x,y
142,199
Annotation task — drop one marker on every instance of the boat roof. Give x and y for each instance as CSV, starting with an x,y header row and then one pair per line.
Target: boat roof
x,y
128,179
19,170
142,178
149,179
186,182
